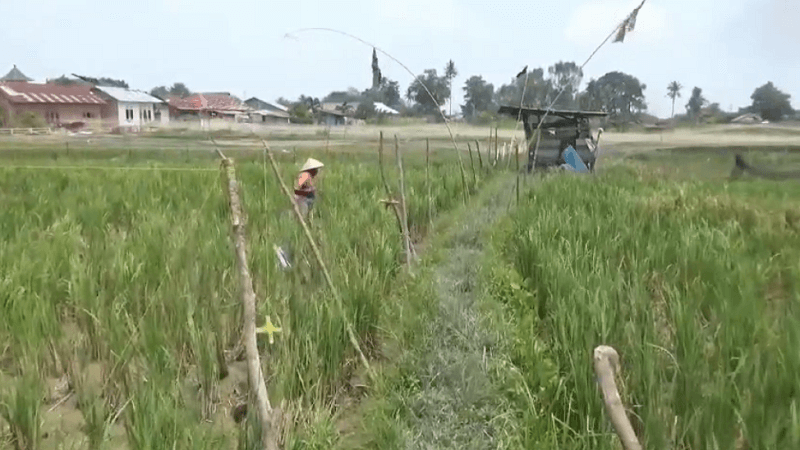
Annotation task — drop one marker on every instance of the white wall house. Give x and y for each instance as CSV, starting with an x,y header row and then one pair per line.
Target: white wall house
x,y
131,110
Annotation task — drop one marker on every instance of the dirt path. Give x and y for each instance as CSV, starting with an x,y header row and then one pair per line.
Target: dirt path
x,y
457,401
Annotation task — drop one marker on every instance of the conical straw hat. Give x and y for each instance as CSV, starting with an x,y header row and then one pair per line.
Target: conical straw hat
x,y
311,163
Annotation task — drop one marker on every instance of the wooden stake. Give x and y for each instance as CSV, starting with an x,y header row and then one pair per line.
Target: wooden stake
x,y
258,387
606,362
428,180
478,149
395,206
496,146
318,255
406,237
472,163
516,157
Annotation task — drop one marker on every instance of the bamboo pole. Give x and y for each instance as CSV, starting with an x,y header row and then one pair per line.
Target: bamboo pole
x,y
258,386
428,180
318,255
606,363
496,146
516,157
472,163
386,187
406,237
478,150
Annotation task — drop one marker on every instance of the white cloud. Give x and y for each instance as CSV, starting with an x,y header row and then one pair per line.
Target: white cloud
x,y
592,21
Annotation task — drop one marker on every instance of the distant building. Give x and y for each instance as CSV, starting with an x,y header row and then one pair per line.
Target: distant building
x,y
266,112
131,110
15,75
207,106
748,118
58,105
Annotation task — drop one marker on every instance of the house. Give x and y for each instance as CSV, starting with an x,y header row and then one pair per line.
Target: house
x,y
206,106
748,118
129,109
266,112
15,75
58,105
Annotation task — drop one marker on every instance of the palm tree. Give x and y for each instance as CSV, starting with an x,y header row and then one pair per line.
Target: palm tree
x,y
450,72
673,92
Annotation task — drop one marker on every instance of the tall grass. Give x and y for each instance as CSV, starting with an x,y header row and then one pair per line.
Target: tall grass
x,y
140,266
694,283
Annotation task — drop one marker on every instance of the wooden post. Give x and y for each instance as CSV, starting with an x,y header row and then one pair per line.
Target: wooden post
x,y
428,180
606,362
472,163
258,386
478,149
516,157
386,186
496,146
406,237
318,255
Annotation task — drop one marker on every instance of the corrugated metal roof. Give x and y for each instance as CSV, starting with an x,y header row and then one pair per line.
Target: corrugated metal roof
x,y
380,107
22,92
266,112
128,96
208,102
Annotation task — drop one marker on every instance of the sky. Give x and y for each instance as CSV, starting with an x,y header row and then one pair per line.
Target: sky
x,y
254,47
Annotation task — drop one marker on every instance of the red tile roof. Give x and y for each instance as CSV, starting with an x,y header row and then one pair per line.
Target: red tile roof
x,y
32,93
208,102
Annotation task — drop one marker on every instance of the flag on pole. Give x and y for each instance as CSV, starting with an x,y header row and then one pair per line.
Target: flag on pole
x,y
628,24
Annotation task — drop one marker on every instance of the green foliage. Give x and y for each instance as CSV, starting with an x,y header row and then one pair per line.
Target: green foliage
x,y
478,95
619,94
30,119
437,87
673,92
537,92
771,103
696,104
566,76
177,90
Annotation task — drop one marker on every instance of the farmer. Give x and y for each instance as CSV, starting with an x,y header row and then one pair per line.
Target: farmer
x,y
304,189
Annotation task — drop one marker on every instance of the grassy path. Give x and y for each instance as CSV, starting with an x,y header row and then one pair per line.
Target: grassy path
x,y
440,393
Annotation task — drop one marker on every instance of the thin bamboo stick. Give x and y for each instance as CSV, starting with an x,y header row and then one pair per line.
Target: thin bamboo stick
x,y
386,186
516,158
318,255
478,149
472,163
406,237
428,180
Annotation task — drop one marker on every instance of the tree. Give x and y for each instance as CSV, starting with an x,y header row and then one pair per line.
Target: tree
x,y
696,103
438,87
771,103
619,94
478,95
566,76
537,92
180,90
390,92
160,91
283,101
366,110
450,72
673,92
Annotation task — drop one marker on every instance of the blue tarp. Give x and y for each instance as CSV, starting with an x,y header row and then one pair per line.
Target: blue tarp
x,y
574,160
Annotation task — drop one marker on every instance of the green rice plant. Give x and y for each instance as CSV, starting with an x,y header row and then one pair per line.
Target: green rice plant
x,y
691,282
20,401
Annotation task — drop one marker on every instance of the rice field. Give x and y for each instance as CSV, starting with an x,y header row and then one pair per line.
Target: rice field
x,y
121,284
693,282
120,306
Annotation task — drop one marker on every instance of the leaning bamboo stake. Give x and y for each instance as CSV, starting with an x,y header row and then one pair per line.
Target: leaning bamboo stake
x,y
318,255
496,146
258,386
394,204
472,163
406,237
478,150
428,180
516,157
606,364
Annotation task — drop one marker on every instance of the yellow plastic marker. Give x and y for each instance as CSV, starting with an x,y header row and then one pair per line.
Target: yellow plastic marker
x,y
269,328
